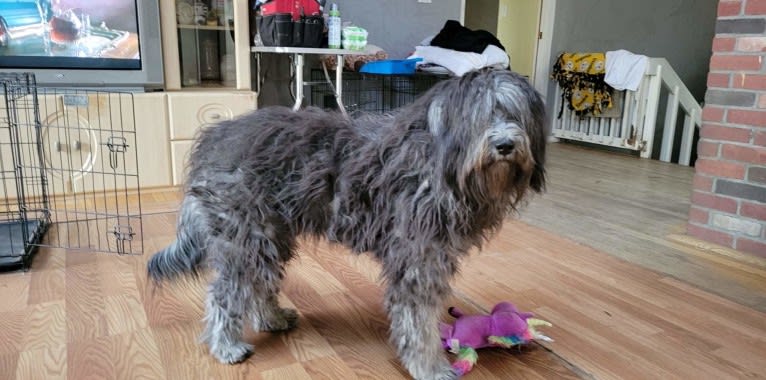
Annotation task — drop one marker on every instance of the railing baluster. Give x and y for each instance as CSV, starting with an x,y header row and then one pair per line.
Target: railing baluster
x,y
669,129
627,113
650,119
686,140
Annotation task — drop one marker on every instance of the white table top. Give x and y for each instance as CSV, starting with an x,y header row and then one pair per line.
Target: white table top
x,y
303,50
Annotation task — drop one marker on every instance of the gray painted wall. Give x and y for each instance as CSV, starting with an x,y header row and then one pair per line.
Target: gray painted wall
x,y
679,30
398,26
482,14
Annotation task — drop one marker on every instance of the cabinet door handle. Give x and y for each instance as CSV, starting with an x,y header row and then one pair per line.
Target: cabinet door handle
x,y
62,147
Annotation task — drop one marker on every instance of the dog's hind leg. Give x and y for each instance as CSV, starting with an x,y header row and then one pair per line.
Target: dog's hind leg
x,y
225,310
417,289
249,276
228,298
271,248
267,315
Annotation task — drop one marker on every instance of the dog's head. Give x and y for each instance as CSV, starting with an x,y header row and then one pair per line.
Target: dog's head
x,y
490,134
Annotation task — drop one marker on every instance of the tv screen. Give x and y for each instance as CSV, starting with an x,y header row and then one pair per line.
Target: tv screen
x,y
69,34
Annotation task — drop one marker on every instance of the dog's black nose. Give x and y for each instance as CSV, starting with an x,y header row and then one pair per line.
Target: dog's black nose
x,y
504,148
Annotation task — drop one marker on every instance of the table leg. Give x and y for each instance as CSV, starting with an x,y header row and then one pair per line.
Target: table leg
x,y
298,81
258,74
339,83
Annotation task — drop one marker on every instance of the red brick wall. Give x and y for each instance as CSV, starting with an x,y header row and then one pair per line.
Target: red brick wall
x,y
729,195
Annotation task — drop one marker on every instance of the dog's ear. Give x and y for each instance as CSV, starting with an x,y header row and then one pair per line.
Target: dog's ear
x,y
536,126
538,136
436,116
537,181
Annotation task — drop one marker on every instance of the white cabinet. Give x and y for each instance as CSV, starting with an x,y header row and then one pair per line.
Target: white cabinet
x,y
189,111
91,141
180,152
154,161
96,141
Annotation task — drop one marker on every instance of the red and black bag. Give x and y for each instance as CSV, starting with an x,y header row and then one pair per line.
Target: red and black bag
x,y
290,22
296,8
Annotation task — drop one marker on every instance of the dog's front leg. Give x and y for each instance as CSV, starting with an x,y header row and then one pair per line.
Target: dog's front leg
x,y
415,297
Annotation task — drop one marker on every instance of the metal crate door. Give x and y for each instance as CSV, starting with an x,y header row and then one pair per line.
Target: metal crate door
x,y
23,214
84,143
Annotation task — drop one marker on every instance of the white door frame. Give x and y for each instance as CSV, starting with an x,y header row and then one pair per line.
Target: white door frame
x,y
544,46
543,56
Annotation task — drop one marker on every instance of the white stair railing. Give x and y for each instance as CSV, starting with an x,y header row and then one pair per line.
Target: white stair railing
x,y
634,127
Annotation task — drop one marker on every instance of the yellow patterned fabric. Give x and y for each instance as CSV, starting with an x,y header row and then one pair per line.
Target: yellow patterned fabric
x,y
581,77
587,63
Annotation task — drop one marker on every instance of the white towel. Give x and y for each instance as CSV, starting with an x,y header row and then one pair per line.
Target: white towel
x,y
459,62
624,69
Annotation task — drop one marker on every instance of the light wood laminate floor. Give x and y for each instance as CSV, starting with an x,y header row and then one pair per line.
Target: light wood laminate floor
x,y
637,209
80,315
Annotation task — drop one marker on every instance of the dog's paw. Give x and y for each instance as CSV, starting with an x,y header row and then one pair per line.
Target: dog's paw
x,y
448,373
444,372
285,319
234,354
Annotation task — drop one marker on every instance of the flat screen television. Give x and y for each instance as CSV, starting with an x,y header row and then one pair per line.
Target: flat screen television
x,y
83,43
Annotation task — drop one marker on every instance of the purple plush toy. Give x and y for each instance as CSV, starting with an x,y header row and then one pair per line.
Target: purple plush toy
x,y
504,327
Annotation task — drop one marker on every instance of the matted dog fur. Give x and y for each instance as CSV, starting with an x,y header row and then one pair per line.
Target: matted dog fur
x,y
417,189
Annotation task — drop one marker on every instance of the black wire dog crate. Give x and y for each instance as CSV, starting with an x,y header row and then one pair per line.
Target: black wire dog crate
x,y
67,161
371,92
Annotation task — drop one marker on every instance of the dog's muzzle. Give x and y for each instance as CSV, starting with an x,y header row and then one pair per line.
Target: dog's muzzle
x,y
504,140
504,147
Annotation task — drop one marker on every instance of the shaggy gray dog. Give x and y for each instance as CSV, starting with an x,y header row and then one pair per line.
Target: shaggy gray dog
x,y
417,189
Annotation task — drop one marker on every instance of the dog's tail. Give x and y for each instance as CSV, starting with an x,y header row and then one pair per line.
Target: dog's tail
x,y
181,257
184,256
